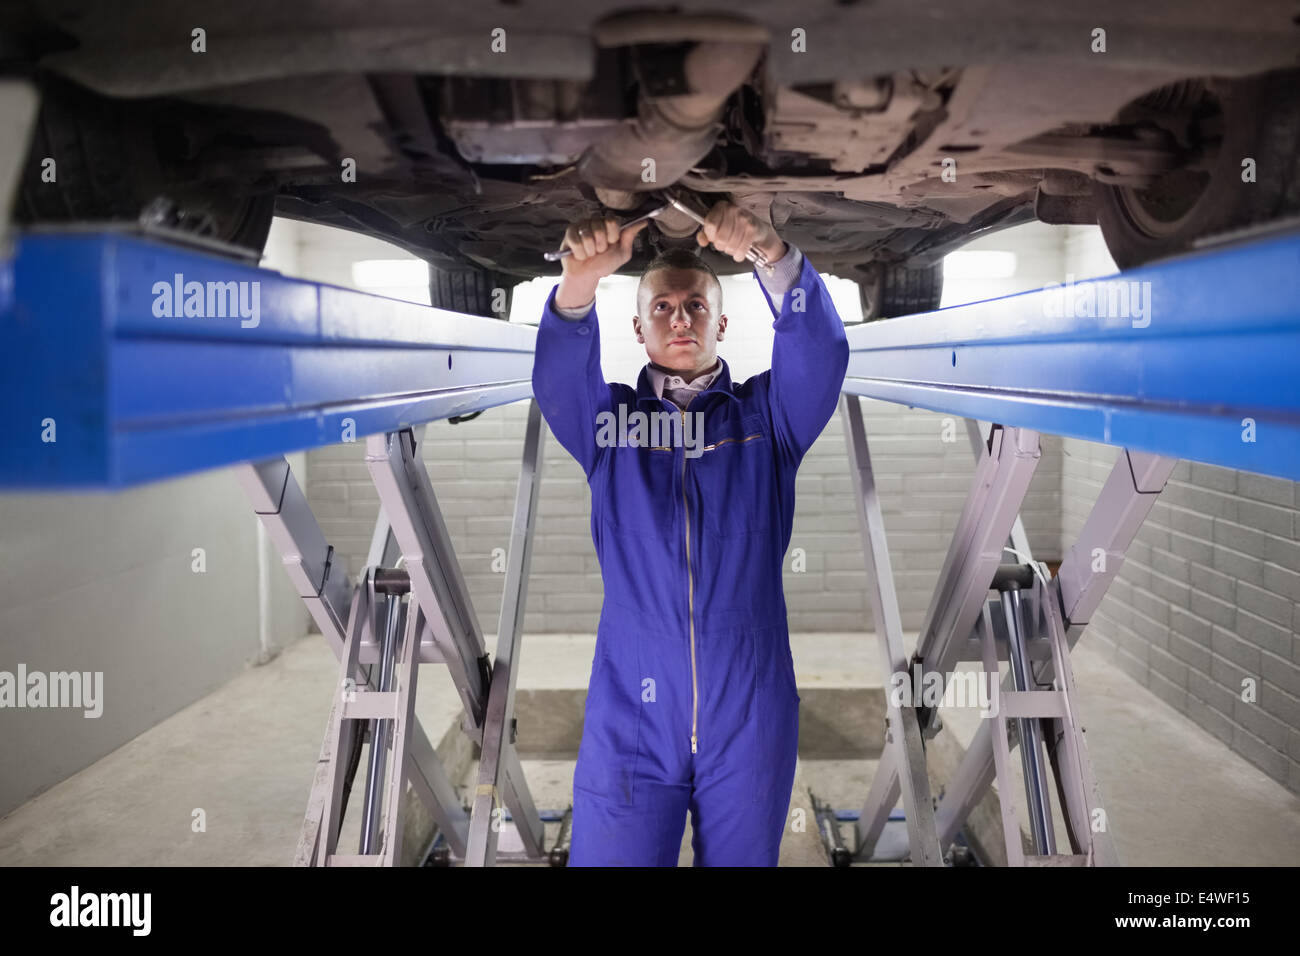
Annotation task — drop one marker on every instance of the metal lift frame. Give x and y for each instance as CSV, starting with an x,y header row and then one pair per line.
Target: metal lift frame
x,y
139,397
155,396
1203,374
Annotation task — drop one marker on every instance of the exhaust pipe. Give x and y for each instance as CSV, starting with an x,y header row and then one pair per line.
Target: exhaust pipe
x,y
675,131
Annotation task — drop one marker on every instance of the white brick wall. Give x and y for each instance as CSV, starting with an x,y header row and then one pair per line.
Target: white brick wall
x,y
474,467
1209,594
1208,597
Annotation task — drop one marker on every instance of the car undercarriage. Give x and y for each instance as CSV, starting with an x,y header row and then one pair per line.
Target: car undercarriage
x,y
878,138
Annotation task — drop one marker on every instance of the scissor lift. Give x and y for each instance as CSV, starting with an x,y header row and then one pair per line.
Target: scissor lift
x,y
138,397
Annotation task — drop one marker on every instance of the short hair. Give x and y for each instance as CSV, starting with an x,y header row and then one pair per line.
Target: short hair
x,y
678,258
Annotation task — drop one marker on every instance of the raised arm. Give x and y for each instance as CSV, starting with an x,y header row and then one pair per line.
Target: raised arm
x,y
567,380
810,355
811,351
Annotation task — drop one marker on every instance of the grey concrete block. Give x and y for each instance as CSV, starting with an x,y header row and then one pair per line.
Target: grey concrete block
x,y
1231,676
1168,666
1282,582
1152,632
1213,582
1211,720
1228,645
1170,565
1192,523
1264,488
1190,652
1214,694
1190,626
1168,691
1264,603
1281,672
1270,518
1175,592
1268,759
1195,550
1211,608
1264,634
1213,503
1214,477
1236,536
1282,551
1153,606
1277,702
1237,564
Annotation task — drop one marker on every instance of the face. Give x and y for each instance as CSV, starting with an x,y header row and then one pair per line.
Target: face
x,y
680,321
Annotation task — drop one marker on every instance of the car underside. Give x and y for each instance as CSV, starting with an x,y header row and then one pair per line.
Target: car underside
x,y
878,137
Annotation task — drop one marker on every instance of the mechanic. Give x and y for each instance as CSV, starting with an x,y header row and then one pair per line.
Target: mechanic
x,y
692,702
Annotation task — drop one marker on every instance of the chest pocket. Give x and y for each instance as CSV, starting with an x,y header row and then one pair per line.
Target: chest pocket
x,y
735,473
751,429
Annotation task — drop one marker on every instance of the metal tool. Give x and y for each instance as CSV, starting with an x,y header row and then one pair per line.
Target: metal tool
x,y
652,214
754,254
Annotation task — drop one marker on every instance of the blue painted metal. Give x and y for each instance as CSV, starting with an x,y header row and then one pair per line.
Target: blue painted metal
x,y
135,396
1204,364
1214,340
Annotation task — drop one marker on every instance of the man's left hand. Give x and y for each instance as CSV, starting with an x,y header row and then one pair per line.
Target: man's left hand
x,y
732,230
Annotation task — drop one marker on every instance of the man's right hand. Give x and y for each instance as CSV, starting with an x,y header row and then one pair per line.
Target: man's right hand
x,y
598,250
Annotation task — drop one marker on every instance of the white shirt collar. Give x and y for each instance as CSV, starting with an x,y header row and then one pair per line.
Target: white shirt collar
x,y
660,379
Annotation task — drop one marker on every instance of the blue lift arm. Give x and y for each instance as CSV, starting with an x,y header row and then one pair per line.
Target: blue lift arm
x,y
130,395
1196,358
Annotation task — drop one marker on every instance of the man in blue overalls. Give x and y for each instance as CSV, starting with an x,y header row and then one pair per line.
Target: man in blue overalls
x,y
692,702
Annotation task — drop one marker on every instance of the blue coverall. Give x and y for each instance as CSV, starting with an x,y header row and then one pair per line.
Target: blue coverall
x,y
692,701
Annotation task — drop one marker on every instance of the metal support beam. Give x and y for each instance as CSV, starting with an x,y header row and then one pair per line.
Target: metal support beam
x,y
902,731
320,578
499,728
1125,501
318,575
979,432
992,509
407,498
1132,487
1001,479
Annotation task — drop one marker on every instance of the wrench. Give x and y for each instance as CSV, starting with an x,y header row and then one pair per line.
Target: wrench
x,y
754,255
652,214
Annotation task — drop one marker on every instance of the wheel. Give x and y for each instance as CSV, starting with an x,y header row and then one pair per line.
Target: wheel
x,y
893,290
472,290
1229,122
94,159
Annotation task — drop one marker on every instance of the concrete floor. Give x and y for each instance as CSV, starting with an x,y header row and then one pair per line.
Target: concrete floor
x,y
245,756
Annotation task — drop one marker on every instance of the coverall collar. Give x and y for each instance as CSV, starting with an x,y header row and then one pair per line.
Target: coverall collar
x,y
645,390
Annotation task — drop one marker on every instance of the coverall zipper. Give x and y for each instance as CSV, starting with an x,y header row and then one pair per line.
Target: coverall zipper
x,y
690,595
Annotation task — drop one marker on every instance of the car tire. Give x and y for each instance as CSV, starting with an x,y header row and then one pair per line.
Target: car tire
x,y
471,290
894,290
107,169
1261,121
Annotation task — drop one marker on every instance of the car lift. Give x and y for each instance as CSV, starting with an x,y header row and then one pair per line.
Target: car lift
x,y
106,394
